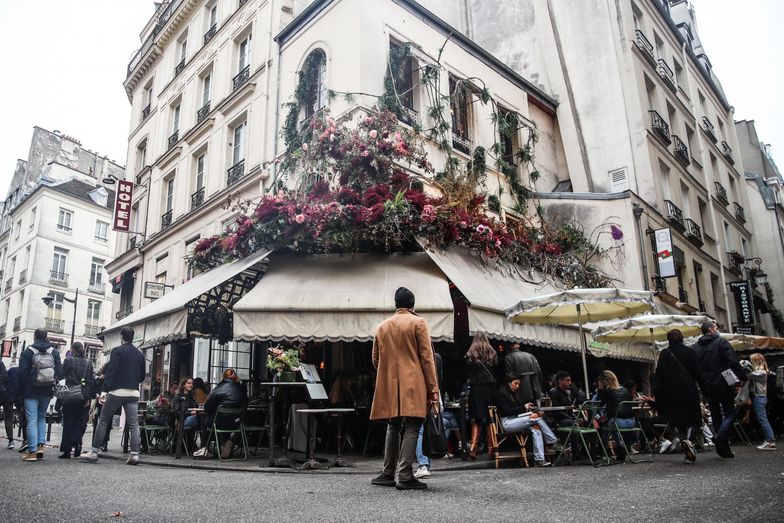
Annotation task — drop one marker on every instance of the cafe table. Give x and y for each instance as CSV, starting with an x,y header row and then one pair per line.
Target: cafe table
x,y
282,461
311,462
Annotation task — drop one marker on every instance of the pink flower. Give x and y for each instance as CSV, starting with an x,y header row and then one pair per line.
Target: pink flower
x,y
481,228
331,137
300,218
368,120
365,154
428,214
398,137
498,243
305,147
464,224
373,134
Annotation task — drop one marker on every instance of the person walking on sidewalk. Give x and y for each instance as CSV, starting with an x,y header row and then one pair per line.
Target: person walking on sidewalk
x,y
40,369
77,370
121,389
406,381
759,382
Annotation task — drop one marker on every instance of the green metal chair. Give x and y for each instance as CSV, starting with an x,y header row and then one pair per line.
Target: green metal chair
x,y
582,427
256,429
156,435
618,432
234,418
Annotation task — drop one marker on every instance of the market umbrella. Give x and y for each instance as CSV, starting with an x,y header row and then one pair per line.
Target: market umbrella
x,y
581,306
744,342
648,328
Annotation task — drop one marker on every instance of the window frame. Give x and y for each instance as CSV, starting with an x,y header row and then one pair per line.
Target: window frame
x,y
61,225
98,224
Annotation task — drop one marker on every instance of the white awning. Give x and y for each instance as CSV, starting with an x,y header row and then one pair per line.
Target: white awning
x,y
491,291
341,297
165,319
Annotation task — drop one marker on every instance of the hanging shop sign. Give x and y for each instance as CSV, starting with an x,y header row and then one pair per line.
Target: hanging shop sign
x,y
743,302
155,290
664,252
122,206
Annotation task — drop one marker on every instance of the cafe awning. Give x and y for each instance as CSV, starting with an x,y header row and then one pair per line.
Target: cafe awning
x,y
166,319
490,291
341,297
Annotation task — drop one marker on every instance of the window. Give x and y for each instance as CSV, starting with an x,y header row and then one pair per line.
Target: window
x,y
190,271
206,85
161,278
403,77
458,102
93,312
213,17
55,310
64,219
96,272
200,164
665,181
238,150
59,264
101,231
141,156
728,237
685,205
169,194
744,247
18,229
176,119
148,95
316,98
508,129
244,56
183,51
679,76
32,217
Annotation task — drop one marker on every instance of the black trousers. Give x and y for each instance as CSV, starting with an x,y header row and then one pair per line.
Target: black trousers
x,y
74,424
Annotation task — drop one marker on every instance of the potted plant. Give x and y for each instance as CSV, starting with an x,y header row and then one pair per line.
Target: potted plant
x,y
285,362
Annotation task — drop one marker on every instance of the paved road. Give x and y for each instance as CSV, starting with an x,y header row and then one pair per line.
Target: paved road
x,y
747,488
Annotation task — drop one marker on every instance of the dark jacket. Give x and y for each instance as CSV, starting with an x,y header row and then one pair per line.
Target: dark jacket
x,y
675,385
13,384
519,364
228,393
716,355
3,382
505,403
561,398
125,370
29,389
77,368
611,399
183,401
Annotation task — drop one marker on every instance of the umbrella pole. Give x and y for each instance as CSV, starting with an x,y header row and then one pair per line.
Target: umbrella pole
x,y
653,346
583,349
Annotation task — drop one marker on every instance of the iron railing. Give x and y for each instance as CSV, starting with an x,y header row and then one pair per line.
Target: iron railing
x,y
240,78
660,126
54,325
210,33
166,220
166,10
122,313
735,262
174,138
694,231
91,331
707,126
726,150
22,276
644,45
740,214
680,150
97,287
146,112
58,278
197,198
683,296
179,67
202,113
666,74
675,215
235,172
461,144
721,194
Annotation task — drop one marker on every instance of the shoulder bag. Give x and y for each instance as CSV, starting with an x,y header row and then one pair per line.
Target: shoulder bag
x,y
75,393
433,436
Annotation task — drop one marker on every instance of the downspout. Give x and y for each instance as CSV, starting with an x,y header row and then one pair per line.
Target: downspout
x,y
266,91
274,173
637,210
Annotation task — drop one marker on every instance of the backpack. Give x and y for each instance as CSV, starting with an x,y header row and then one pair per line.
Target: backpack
x,y
43,368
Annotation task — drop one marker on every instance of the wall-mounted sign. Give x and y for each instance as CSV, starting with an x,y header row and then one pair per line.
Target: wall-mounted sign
x,y
7,344
743,302
122,206
743,330
154,290
664,253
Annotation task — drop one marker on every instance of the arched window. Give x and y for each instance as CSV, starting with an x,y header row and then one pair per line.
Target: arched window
x,y
314,74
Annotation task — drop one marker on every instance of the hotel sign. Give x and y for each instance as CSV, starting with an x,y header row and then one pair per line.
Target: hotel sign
x,y
122,206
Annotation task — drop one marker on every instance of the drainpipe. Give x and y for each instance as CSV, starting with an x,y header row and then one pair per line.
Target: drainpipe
x,y
274,172
268,74
637,210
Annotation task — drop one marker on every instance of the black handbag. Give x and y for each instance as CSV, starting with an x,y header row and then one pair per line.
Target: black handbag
x,y
75,393
433,436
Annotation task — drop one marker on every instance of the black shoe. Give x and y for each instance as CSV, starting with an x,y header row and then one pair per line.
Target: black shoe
x,y
411,484
104,448
383,481
65,455
723,448
23,448
688,449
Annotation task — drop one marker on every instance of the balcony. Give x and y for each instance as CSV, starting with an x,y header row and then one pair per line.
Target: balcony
x,y
54,325
659,284
666,74
210,33
721,194
408,116
145,112
197,198
241,78
461,144
645,46
680,150
23,277
134,242
660,127
122,313
179,67
58,278
708,129
683,296
97,287
17,324
740,215
9,284
202,113
675,215
173,139
91,331
235,172
726,151
735,261
166,220
701,305
166,9
694,232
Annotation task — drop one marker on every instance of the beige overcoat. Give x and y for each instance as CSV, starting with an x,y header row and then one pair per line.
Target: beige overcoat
x,y
403,357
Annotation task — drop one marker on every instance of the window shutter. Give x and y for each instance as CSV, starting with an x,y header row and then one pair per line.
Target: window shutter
x,y
619,180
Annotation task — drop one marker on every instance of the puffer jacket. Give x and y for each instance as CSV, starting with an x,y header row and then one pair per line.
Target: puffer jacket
x,y
30,389
716,355
228,393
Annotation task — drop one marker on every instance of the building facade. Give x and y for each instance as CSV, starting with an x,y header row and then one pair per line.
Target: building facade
x,y
55,243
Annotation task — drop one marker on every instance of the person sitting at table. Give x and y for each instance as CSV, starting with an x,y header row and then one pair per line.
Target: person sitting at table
x,y
184,399
564,394
200,391
610,394
516,420
229,393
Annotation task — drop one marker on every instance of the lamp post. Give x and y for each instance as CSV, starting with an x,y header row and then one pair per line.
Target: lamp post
x,y
49,299
755,276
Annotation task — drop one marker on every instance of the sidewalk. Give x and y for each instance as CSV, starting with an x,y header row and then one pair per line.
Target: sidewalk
x,y
360,464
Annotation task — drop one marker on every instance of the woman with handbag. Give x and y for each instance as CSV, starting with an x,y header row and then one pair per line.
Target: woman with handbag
x,y
79,376
481,359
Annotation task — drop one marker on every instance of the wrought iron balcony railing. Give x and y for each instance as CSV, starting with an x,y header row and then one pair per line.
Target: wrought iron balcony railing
x,y
166,220
134,242
707,126
58,278
174,138
408,116
660,126
701,305
644,45
461,144
241,78
197,198
735,261
54,325
210,33
235,172
97,287
680,150
694,232
91,331
179,67
726,150
683,296
22,277
740,214
145,112
666,74
202,113
721,194
675,215
122,313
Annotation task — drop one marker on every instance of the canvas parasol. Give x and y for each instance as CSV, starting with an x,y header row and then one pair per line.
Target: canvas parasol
x,y
581,306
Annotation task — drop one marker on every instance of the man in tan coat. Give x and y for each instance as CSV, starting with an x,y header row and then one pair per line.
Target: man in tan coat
x,y
406,381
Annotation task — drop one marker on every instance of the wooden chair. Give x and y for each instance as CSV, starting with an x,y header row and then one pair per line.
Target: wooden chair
x,y
497,436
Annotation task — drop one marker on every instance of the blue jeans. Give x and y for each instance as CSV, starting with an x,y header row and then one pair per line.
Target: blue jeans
x,y
450,425
35,410
723,416
759,403
515,425
623,423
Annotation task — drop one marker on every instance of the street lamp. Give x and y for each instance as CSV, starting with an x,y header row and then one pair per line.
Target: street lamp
x,y
49,299
760,277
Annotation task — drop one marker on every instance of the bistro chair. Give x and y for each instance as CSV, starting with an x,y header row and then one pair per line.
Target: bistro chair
x,y
741,432
256,429
234,418
618,432
497,436
156,435
582,427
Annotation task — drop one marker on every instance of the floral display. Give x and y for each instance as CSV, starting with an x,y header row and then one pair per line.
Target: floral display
x,y
361,189
282,360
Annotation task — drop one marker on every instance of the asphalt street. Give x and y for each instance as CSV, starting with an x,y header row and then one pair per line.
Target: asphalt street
x,y
747,488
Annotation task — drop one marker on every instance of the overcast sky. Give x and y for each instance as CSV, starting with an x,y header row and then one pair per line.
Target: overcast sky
x,y
64,62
